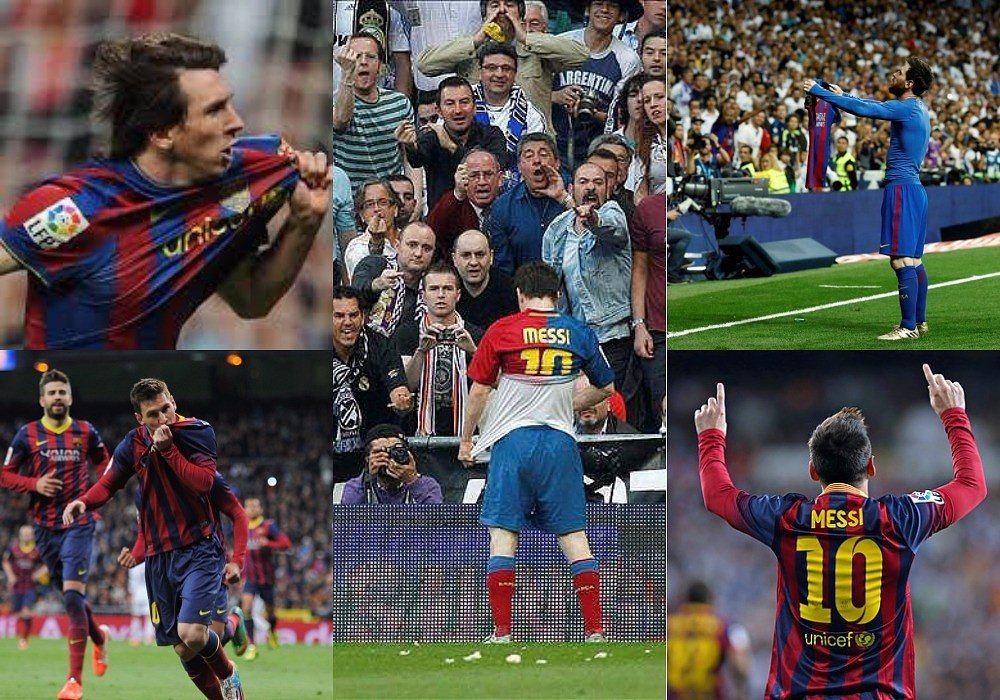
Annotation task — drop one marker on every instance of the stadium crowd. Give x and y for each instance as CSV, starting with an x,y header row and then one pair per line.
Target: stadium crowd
x,y
481,140
954,584
735,70
253,446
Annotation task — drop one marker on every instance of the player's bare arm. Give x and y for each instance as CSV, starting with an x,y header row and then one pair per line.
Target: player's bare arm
x,y
587,395
479,394
259,282
712,413
944,393
8,263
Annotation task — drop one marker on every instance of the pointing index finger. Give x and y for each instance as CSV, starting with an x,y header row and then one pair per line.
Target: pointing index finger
x,y
928,374
720,394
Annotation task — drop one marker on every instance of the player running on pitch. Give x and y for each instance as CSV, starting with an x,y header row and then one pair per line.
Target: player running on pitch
x,y
121,251
535,473
904,201
49,459
265,538
174,459
22,564
844,626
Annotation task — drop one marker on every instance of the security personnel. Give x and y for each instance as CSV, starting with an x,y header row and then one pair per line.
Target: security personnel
x,y
846,166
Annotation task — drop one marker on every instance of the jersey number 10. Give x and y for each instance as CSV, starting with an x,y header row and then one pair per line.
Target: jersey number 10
x,y
813,609
547,362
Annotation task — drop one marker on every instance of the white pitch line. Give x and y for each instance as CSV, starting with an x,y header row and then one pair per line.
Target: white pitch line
x,y
821,307
850,286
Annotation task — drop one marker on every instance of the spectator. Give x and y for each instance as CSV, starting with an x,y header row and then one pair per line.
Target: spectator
x,y
440,146
793,140
427,109
752,132
844,165
390,473
477,185
724,128
366,118
706,161
410,207
378,209
593,84
389,284
629,111
539,55
619,146
502,103
607,161
487,292
776,124
598,419
745,163
588,247
342,214
520,216
653,59
652,149
650,273
776,173
369,384
436,350
433,23
536,16
653,18
399,73
710,112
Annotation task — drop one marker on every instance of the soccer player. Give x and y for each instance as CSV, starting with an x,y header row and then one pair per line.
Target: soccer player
x,y
904,201
121,251
174,459
22,564
49,459
265,538
844,626
535,473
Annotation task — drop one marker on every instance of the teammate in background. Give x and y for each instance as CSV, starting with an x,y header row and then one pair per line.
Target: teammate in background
x,y
174,459
49,459
265,537
227,623
844,623
535,473
904,201
141,629
22,564
701,645
121,251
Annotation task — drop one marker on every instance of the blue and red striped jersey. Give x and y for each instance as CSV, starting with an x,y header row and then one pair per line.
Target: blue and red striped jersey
x,y
117,261
24,562
39,448
844,626
265,538
822,117
175,509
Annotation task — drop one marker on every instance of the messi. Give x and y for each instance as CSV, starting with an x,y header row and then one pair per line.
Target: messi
x,y
834,518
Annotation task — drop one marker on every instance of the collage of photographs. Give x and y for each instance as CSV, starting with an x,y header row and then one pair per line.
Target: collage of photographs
x,y
374,298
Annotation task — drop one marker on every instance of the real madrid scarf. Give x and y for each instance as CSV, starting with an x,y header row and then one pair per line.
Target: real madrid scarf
x,y
346,411
455,364
517,123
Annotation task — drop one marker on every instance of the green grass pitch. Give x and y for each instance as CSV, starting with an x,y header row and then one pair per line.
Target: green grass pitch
x,y
389,671
960,316
155,673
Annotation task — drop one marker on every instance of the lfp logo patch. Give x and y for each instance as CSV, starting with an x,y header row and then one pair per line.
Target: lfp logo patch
x,y
927,497
57,224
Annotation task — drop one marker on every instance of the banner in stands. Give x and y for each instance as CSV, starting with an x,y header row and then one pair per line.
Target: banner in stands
x,y
617,469
405,573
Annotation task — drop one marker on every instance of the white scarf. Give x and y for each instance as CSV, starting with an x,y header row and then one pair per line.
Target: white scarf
x,y
459,384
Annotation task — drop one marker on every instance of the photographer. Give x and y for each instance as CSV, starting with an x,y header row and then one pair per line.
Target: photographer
x,y
707,161
390,475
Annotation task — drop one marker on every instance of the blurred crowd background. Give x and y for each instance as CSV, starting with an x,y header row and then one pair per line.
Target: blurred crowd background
x,y
279,67
773,403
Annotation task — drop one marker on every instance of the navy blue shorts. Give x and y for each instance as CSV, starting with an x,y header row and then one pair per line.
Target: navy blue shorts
x,y
535,479
66,552
264,590
221,609
183,586
904,220
22,601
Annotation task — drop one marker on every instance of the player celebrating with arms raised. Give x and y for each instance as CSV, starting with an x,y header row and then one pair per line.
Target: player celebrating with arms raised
x,y
121,251
535,473
265,537
175,461
48,459
844,625
904,201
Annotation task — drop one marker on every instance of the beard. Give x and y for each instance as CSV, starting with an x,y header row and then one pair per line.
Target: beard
x,y
896,91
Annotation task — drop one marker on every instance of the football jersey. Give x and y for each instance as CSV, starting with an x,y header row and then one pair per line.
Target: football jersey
x,y
24,563
260,562
697,641
532,358
822,117
66,453
117,261
844,625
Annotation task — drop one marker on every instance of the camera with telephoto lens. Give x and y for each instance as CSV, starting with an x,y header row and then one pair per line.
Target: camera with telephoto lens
x,y
590,102
400,454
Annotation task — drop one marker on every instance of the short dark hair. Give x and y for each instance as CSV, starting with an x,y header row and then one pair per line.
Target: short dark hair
x,y
536,280
137,87
658,31
398,177
919,72
491,48
441,267
342,291
698,592
383,430
49,376
146,390
839,448
452,81
373,37
483,3
537,136
602,153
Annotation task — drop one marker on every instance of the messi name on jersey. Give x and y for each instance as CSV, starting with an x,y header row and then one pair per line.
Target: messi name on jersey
x,y
546,335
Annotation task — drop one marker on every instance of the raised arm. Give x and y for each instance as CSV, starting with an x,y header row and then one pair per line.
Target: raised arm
x,y
7,262
716,485
893,110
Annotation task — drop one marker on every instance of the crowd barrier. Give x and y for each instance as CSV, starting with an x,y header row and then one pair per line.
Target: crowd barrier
x,y
418,573
849,223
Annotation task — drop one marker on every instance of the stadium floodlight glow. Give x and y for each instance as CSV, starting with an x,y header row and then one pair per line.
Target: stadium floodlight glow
x,y
41,366
234,359
271,481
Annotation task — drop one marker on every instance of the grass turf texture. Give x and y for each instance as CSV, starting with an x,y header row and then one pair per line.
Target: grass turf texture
x,y
287,673
380,671
962,316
